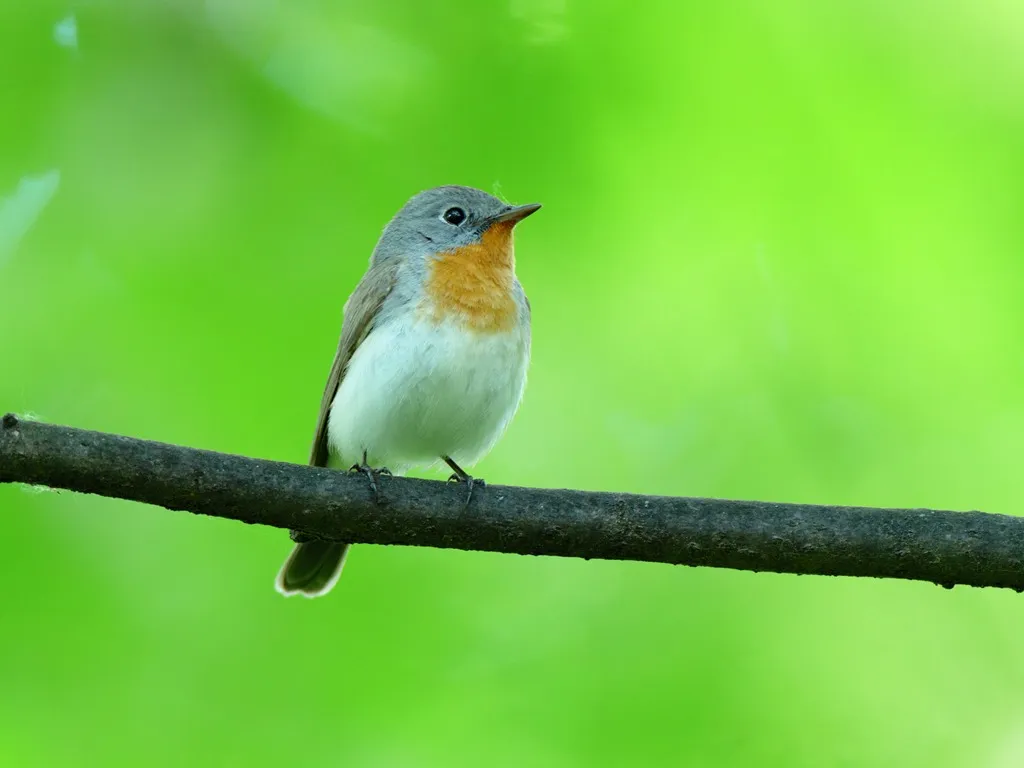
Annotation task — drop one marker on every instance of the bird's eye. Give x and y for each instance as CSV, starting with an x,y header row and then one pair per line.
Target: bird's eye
x,y
454,216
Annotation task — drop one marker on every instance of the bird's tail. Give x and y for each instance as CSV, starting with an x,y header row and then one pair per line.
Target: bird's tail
x,y
312,568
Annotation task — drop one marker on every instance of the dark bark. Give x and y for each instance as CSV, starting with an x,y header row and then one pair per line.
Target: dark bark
x,y
947,548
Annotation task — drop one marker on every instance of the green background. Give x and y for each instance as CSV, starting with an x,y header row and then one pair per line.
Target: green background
x,y
781,257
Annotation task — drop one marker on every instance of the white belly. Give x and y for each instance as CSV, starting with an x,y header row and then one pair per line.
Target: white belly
x,y
415,392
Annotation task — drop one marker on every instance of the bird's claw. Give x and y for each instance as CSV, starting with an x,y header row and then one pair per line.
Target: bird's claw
x,y
461,476
471,484
372,474
364,469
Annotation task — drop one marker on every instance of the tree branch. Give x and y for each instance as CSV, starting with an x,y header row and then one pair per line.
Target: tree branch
x,y
948,548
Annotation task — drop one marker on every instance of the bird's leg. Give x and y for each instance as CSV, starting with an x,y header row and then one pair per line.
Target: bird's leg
x,y
372,474
461,476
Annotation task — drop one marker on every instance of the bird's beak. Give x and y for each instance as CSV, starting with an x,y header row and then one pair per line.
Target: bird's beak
x,y
515,213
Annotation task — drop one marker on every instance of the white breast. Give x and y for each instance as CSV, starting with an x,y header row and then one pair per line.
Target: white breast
x,y
416,391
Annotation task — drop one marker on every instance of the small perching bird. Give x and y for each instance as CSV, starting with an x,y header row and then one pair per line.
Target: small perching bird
x,y
432,361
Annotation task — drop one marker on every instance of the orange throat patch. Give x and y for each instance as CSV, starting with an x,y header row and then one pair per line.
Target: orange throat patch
x,y
473,284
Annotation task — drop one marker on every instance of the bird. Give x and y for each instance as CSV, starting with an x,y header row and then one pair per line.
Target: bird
x,y
432,361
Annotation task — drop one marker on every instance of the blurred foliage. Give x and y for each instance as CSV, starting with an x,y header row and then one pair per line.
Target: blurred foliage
x,y
781,257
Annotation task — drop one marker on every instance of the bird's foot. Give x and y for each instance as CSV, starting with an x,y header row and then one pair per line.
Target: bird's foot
x,y
461,476
470,481
371,474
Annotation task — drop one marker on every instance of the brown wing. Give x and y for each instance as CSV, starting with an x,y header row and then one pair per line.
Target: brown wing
x,y
360,314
